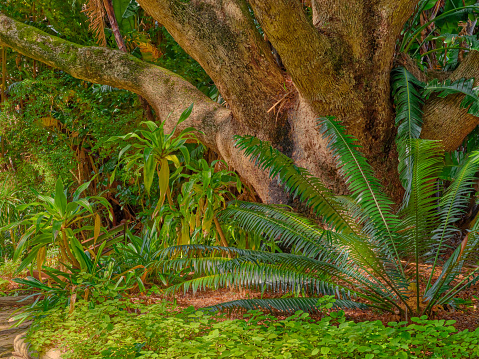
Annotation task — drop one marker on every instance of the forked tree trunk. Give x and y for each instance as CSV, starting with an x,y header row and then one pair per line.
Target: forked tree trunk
x,y
337,64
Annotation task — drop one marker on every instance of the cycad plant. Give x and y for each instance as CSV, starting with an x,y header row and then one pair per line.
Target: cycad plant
x,y
362,250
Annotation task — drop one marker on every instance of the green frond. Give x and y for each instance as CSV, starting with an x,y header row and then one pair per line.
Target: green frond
x,y
366,189
420,213
408,100
287,305
286,272
450,270
464,86
297,180
200,265
276,223
455,200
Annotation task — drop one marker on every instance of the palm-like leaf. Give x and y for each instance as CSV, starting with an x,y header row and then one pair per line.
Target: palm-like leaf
x,y
454,203
277,223
464,86
409,102
365,250
366,189
420,214
288,305
297,180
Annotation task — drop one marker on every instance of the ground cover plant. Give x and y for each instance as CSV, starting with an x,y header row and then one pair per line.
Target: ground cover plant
x,y
121,329
138,198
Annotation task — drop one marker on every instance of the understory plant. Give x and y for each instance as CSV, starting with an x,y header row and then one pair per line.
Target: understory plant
x,y
122,329
8,214
362,250
59,223
153,151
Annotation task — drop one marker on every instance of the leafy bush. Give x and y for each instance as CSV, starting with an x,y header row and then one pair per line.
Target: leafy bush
x,y
59,223
120,329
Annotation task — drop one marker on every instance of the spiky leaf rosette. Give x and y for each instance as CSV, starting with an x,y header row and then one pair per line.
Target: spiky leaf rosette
x,y
297,180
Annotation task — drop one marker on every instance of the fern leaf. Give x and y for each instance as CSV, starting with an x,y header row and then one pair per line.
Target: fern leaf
x,y
420,213
95,12
298,181
287,305
408,101
365,188
278,224
464,86
455,200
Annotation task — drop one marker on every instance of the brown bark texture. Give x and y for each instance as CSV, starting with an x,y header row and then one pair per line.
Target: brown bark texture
x,y
336,64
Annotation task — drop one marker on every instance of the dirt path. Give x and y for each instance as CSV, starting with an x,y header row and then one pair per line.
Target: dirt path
x,y
8,305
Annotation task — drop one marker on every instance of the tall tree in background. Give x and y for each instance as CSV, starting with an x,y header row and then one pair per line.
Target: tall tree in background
x,y
337,62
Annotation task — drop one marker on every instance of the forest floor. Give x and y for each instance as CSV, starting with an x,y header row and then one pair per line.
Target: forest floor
x,y
466,315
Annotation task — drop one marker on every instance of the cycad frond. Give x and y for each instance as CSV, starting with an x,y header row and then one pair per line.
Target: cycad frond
x,y
420,214
298,181
95,11
455,201
365,188
408,101
278,224
283,272
288,305
464,86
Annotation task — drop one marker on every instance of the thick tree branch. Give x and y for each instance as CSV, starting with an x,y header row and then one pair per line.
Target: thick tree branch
x,y
168,93
443,118
304,51
222,37
164,90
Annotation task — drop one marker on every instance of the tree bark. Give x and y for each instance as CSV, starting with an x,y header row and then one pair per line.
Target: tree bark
x,y
222,37
443,118
168,93
338,64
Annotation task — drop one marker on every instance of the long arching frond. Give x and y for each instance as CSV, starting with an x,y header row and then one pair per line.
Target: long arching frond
x,y
408,100
365,188
297,180
420,213
464,86
279,224
453,204
287,305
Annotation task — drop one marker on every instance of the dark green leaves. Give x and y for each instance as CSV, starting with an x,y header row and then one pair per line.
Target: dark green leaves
x,y
464,86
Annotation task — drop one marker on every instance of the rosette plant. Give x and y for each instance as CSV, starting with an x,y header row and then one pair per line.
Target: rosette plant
x,y
363,249
59,222
151,152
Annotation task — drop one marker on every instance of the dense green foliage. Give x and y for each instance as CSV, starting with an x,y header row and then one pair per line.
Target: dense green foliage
x,y
124,208
122,329
363,249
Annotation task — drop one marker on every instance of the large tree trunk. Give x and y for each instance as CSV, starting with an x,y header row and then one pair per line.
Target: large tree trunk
x,y
338,64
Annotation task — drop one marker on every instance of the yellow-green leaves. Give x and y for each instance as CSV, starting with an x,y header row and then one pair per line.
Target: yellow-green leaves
x,y
59,223
154,151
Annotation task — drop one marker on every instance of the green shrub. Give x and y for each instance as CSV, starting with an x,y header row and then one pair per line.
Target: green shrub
x,y
119,329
